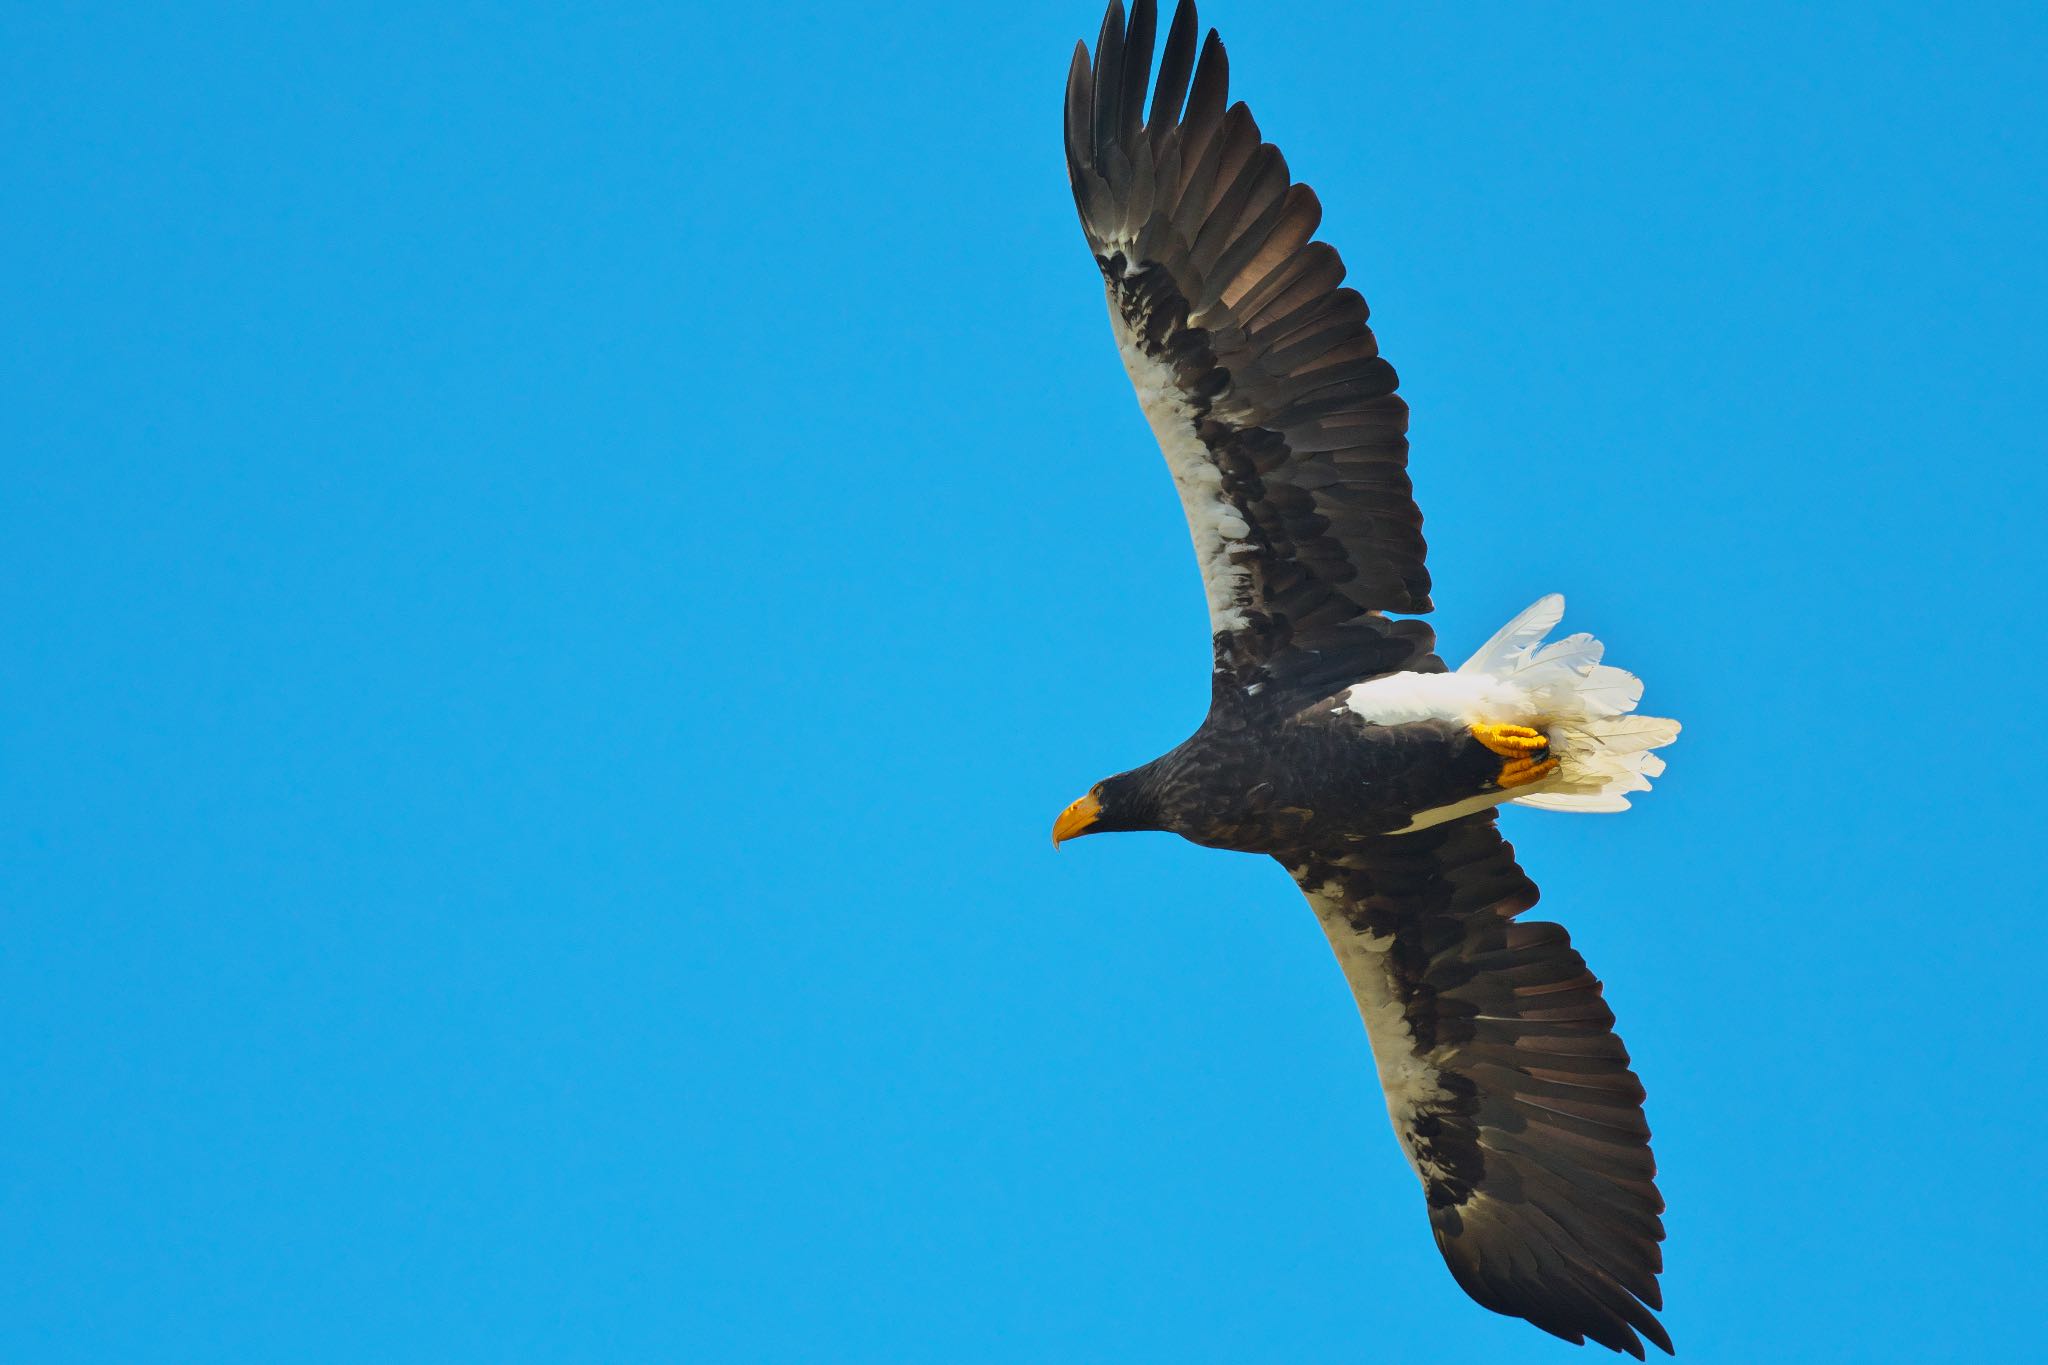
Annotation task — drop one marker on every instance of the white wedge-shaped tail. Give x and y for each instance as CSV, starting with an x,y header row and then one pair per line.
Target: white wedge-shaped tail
x,y
1560,687
1585,706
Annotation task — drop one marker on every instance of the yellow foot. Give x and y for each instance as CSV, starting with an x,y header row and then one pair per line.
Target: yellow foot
x,y
1510,741
1527,753
1520,772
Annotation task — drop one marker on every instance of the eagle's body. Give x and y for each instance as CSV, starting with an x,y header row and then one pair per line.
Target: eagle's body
x,y
1337,742
1257,783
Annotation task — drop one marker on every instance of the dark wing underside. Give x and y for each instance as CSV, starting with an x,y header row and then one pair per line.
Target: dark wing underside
x,y
1254,365
1510,1093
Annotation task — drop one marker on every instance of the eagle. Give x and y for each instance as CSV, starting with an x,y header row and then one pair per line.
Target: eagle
x,y
1337,742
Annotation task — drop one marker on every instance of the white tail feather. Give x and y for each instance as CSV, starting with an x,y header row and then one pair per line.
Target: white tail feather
x,y
1584,707
1517,637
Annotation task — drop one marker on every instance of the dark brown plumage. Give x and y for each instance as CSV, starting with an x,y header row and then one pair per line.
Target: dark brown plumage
x,y
1508,1089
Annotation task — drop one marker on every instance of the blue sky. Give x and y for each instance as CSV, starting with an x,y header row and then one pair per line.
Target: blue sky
x,y
559,563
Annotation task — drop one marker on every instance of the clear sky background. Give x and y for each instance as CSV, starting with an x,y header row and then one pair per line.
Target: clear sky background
x,y
559,561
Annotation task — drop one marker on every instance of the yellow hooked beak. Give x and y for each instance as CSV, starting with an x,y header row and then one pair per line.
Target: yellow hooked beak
x,y
1075,819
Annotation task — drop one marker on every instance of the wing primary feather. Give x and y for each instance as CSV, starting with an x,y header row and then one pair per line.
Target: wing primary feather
x,y
1176,65
1108,107
1137,68
1210,95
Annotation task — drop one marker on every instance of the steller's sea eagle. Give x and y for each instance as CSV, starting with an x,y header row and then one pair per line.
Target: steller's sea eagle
x,y
1337,741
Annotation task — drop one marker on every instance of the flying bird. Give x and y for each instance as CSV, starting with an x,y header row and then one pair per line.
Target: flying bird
x,y
1337,742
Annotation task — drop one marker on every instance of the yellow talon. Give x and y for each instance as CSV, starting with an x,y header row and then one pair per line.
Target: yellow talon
x,y
1510,741
1521,772
1527,753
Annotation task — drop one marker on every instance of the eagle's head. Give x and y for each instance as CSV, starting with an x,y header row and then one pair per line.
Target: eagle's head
x,y
1124,802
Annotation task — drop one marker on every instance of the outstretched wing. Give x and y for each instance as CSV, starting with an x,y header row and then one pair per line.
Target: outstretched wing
x,y
1510,1093
1256,368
